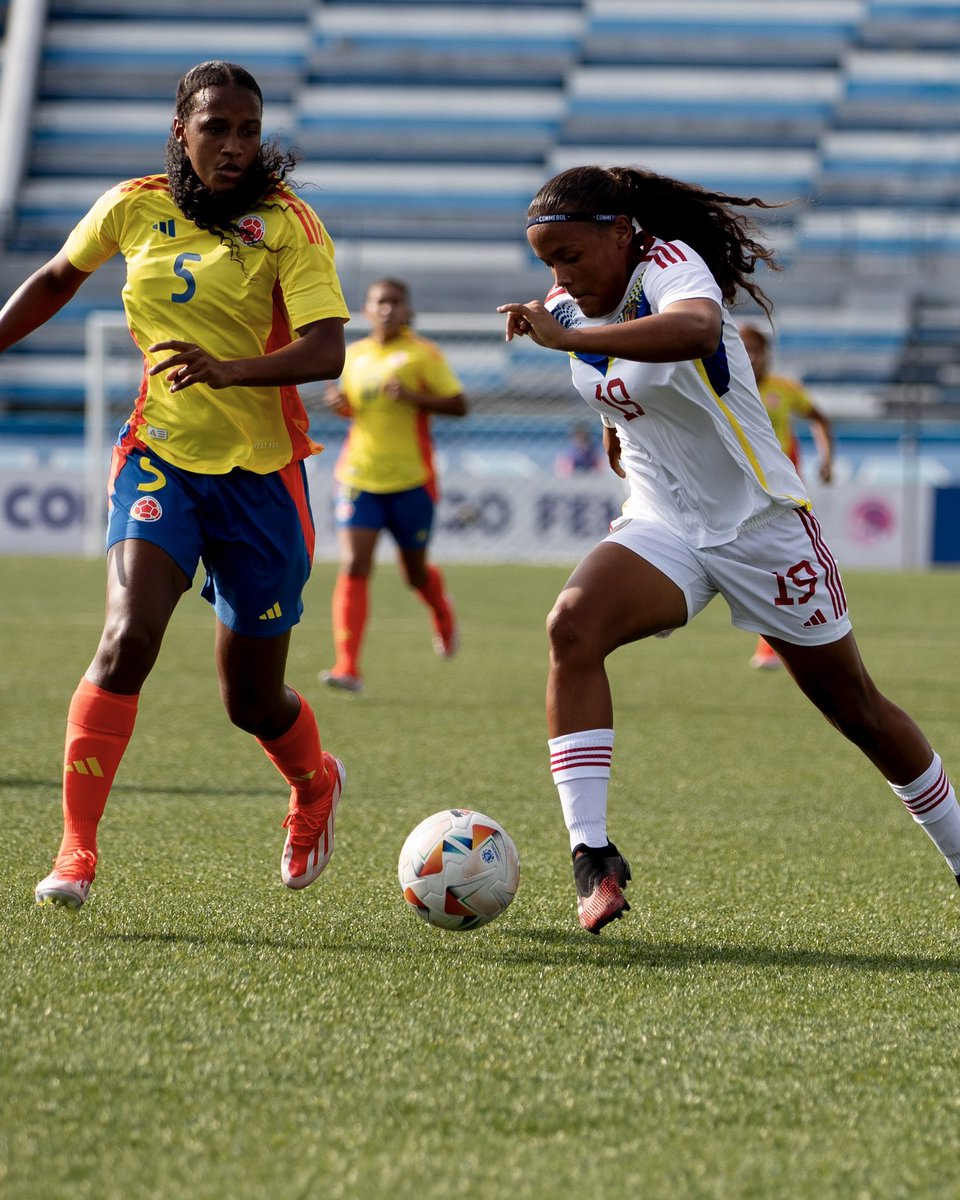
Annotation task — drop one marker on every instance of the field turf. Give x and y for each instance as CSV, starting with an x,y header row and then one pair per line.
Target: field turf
x,y
777,1016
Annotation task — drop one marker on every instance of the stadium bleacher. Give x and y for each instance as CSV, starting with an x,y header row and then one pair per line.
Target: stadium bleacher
x,y
425,127
790,33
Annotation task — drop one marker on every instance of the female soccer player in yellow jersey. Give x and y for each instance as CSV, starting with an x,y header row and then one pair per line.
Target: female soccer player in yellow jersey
x,y
233,298
644,269
393,381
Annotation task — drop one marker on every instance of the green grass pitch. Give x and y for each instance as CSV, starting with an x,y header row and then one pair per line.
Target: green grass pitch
x,y
777,1016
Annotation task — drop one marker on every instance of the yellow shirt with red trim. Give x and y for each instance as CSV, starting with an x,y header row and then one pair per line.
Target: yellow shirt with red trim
x,y
784,399
389,447
235,301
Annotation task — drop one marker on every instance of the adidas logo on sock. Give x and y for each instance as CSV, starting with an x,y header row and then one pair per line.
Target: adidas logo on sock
x,y
85,766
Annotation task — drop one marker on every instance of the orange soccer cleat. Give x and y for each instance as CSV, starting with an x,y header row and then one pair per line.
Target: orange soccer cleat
x,y
68,884
309,844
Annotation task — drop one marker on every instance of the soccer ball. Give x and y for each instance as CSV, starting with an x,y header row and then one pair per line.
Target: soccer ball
x,y
459,869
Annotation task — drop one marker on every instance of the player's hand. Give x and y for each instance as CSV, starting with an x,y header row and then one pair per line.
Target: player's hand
x,y
826,472
611,444
398,393
190,364
533,321
336,401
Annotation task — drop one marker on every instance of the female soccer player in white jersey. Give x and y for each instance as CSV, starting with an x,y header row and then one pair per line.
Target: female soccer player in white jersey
x,y
233,298
644,270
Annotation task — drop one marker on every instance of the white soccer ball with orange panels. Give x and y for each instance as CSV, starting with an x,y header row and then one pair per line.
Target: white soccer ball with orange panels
x,y
459,869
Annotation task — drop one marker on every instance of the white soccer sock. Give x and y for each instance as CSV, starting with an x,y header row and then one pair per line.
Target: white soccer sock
x,y
932,803
580,764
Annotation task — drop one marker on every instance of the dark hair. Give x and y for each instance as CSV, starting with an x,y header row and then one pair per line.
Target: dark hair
x,y
217,211
755,331
389,281
671,210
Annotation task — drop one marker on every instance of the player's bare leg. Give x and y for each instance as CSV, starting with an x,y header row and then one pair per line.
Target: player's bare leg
x,y
257,699
143,587
427,581
350,607
836,680
612,598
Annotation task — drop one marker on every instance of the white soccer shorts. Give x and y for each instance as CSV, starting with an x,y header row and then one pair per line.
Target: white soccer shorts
x,y
778,575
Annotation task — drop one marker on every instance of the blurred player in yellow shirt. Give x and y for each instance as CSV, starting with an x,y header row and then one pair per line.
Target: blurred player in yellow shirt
x,y
785,399
393,382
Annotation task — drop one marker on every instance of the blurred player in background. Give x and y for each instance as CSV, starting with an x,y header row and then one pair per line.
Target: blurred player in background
x,y
582,453
784,399
209,467
393,382
645,269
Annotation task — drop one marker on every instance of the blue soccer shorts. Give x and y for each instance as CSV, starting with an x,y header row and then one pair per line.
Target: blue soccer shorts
x,y
253,533
407,516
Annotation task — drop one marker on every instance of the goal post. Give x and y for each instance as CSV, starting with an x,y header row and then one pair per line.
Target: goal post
x,y
112,367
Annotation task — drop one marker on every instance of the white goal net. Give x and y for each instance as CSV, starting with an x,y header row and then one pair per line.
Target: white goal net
x,y
506,494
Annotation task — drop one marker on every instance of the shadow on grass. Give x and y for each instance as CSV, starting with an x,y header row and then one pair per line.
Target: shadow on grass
x,y
565,948
559,947
216,937
129,790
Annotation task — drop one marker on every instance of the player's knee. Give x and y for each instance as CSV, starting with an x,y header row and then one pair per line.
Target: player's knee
x,y
248,712
127,651
354,569
568,634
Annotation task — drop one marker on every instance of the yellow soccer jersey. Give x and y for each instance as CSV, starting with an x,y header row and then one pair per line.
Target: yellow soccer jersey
x,y
184,284
389,447
783,399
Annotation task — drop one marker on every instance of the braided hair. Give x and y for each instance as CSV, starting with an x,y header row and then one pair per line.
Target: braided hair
x,y
217,211
669,209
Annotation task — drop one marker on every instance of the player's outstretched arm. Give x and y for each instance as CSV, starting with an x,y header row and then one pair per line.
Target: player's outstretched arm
x,y
38,298
317,353
685,330
447,406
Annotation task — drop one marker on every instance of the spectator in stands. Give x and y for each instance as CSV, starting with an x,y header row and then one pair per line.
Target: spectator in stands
x,y
784,399
393,382
232,292
644,269
581,453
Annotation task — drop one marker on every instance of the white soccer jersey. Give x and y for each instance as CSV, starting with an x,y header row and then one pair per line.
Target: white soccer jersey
x,y
696,442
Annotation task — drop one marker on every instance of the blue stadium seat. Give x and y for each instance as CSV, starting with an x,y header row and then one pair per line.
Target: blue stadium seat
x,y
88,59
478,45
744,106
789,33
882,167
428,123
777,176
843,346
894,89
849,233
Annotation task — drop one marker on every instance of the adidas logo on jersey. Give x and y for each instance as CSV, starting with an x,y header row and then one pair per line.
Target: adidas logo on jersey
x,y
166,227
817,619
272,613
